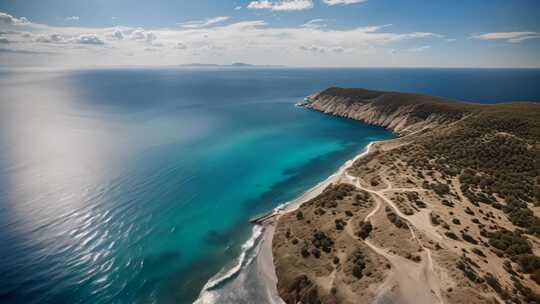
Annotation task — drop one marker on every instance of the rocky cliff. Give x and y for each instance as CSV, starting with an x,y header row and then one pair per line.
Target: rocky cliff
x,y
402,113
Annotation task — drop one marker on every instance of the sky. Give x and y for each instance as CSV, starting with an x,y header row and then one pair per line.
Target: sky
x,y
306,33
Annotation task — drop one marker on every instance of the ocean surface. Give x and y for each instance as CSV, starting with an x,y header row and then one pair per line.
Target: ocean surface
x,y
136,185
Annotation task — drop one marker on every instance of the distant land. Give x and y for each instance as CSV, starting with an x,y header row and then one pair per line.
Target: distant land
x,y
446,213
234,65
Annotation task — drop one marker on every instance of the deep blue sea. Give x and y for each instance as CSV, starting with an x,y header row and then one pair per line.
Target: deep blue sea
x,y
136,185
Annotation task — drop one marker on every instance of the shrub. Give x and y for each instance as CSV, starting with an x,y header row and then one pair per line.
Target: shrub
x,y
434,219
304,252
512,243
396,220
492,281
469,238
451,235
365,229
321,241
469,211
528,262
478,252
340,224
359,266
535,276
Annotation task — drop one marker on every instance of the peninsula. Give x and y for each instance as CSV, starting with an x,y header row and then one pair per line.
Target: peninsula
x,y
448,212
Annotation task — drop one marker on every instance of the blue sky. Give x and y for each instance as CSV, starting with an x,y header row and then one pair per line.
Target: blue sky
x,y
350,33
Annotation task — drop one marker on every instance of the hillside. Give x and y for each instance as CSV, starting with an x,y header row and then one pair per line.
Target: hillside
x,y
452,205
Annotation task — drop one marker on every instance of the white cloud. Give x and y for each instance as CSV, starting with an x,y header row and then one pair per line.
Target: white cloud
x,y
140,34
238,8
204,23
314,23
254,41
322,49
88,39
72,18
180,46
51,38
62,39
283,5
116,34
150,37
7,19
513,37
313,48
342,2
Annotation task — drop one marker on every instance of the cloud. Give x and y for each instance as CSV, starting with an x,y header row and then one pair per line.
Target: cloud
x,y
314,23
283,5
51,38
116,34
253,40
151,49
72,18
204,23
342,2
322,49
142,35
91,39
7,19
180,46
237,8
4,40
513,37
150,37
313,48
88,39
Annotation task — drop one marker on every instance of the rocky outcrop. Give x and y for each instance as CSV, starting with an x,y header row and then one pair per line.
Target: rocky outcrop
x,y
402,113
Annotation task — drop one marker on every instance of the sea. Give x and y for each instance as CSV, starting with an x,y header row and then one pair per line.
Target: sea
x,y
136,185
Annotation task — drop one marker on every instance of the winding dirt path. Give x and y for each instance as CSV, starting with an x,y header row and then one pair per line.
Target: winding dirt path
x,y
417,282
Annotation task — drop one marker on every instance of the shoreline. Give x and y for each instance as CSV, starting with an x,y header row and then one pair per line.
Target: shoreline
x,y
260,242
264,259
396,170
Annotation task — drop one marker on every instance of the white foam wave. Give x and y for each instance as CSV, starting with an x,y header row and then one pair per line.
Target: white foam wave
x,y
206,297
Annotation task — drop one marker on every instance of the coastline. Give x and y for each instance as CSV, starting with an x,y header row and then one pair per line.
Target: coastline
x,y
402,178
259,263
264,259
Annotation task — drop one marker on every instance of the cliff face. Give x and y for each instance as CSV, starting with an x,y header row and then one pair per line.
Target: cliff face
x,y
402,113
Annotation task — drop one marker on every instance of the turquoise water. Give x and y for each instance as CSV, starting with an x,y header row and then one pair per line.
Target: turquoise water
x,y
136,185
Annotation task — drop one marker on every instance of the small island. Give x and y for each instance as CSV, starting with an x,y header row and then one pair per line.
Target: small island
x,y
448,212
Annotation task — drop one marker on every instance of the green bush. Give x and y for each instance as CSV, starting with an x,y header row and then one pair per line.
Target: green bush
x,y
365,229
512,243
528,262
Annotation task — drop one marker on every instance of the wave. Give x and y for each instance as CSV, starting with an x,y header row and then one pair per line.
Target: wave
x,y
205,297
